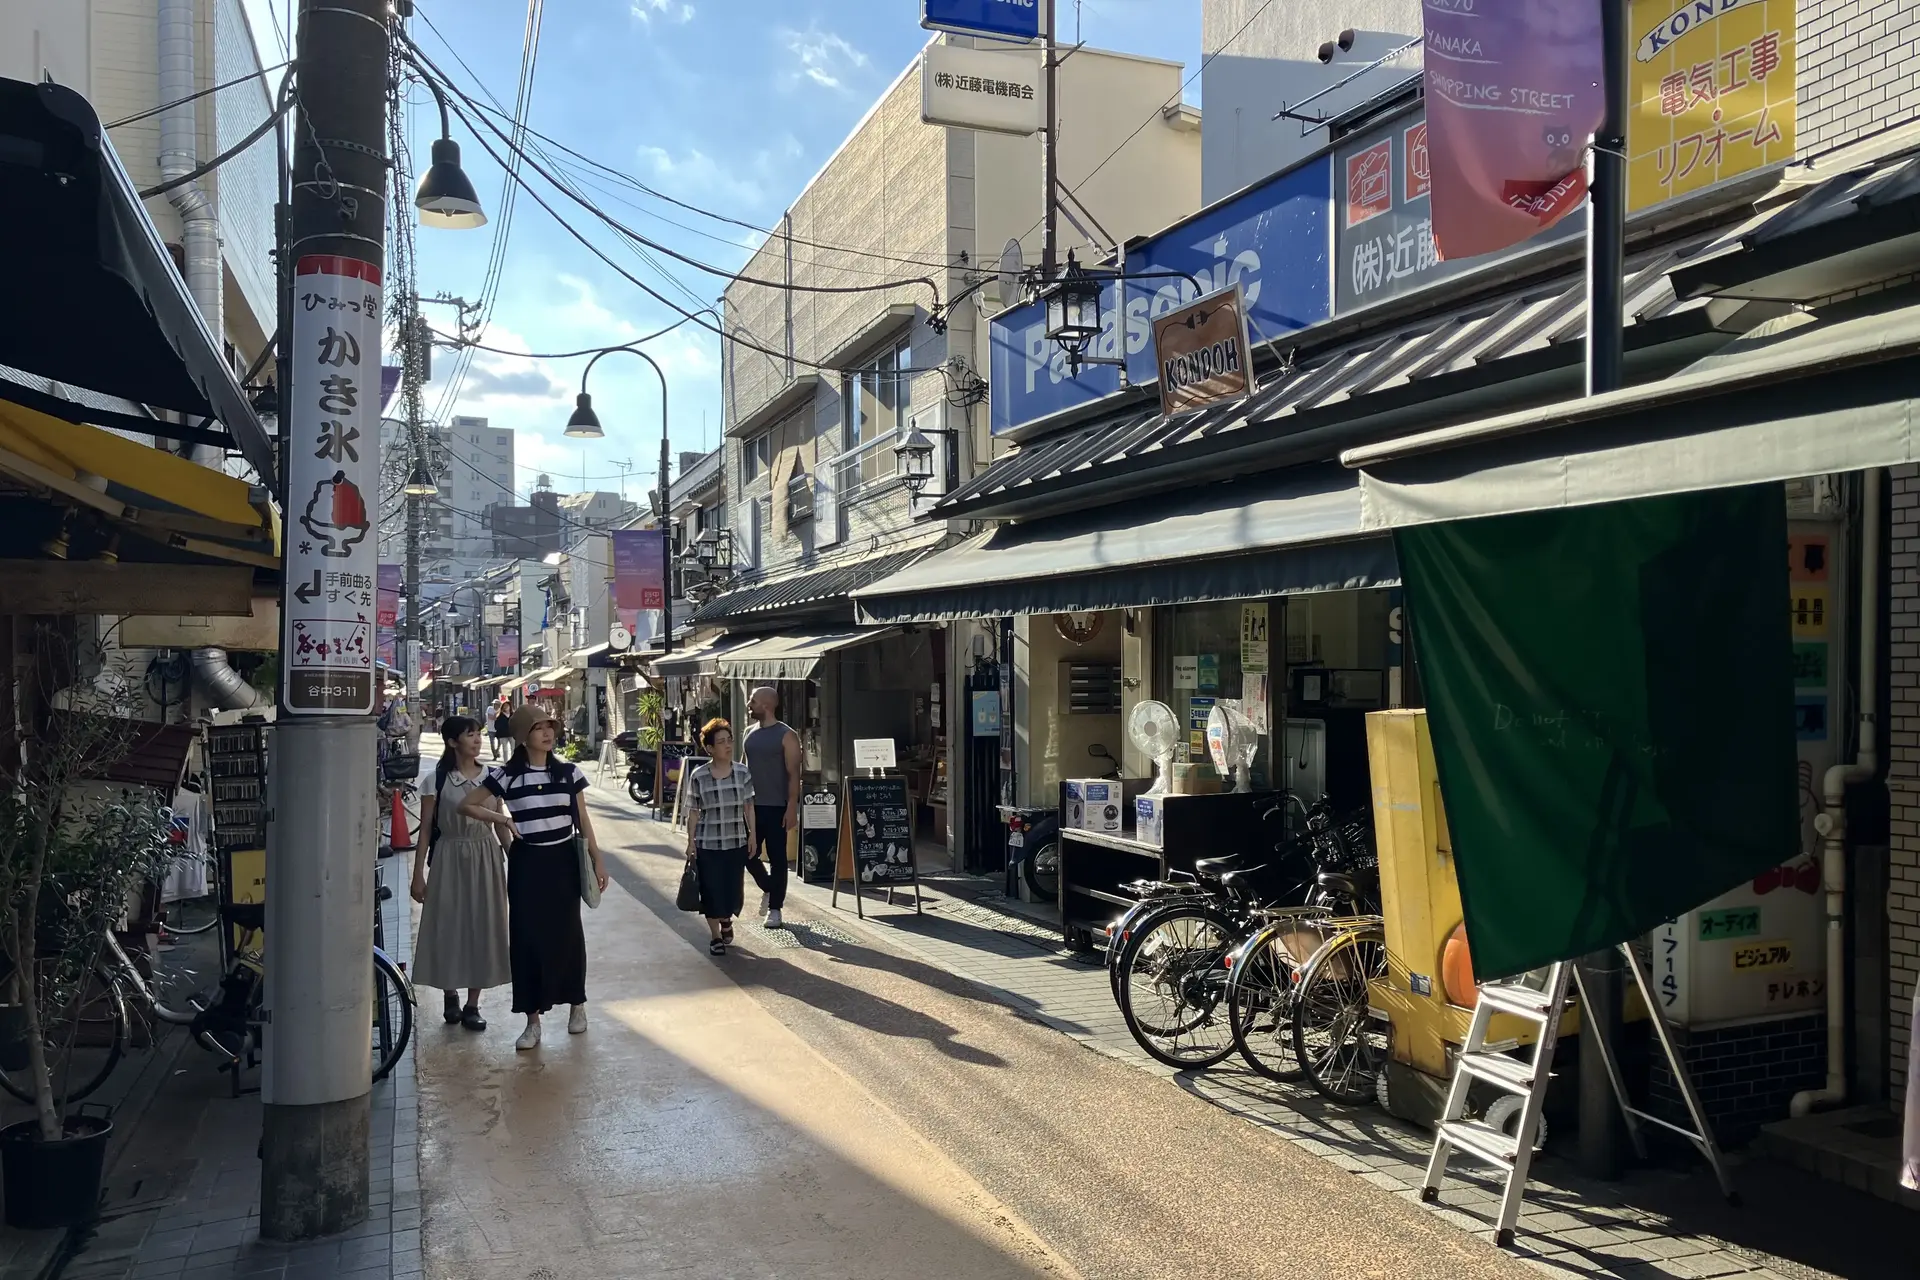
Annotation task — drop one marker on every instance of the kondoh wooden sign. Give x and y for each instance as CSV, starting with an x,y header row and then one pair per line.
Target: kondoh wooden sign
x,y
1202,354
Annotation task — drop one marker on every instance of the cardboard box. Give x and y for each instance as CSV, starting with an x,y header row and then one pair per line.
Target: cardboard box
x,y
1150,819
1093,804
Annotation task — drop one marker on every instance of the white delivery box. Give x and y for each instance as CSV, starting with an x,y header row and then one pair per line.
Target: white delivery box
x,y
1150,819
1093,804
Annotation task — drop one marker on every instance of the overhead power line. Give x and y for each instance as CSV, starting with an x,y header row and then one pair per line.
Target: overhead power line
x,y
194,97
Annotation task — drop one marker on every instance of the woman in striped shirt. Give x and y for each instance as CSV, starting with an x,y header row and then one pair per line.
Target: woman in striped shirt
x,y
543,813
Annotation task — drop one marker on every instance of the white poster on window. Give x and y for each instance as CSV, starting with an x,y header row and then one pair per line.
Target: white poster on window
x,y
1253,639
1186,671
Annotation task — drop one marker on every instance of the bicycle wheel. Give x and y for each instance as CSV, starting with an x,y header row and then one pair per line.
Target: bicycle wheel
x,y
1342,1047
82,1037
1122,934
1260,998
196,915
392,1017
1173,986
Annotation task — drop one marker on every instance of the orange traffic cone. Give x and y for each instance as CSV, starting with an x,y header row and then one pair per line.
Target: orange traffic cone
x,y
398,838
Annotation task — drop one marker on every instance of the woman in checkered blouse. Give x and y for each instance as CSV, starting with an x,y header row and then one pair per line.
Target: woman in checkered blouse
x,y
720,832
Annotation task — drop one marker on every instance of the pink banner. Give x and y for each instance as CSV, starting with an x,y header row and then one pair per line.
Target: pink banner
x,y
1513,95
639,576
507,652
388,603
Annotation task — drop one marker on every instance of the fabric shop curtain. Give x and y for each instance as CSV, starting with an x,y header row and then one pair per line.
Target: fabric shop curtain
x,y
1611,702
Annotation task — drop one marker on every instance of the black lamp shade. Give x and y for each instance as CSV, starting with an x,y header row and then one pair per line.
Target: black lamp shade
x,y
420,483
585,423
446,197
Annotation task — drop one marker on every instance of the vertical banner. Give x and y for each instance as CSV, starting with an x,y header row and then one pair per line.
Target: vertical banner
x,y
1513,95
1712,94
387,614
333,477
638,574
506,652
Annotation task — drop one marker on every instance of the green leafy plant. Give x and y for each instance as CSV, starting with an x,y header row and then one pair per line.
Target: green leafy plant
x,y
74,844
576,750
649,709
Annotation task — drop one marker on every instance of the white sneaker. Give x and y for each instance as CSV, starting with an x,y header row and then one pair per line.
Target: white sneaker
x,y
577,1020
530,1038
773,918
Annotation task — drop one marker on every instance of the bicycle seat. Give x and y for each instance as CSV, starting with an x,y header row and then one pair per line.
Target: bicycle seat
x,y
1244,879
247,915
1336,883
1215,868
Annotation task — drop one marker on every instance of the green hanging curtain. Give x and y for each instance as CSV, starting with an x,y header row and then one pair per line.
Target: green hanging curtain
x,y
1610,695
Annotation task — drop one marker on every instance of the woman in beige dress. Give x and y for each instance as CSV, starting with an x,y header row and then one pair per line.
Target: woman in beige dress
x,y
463,917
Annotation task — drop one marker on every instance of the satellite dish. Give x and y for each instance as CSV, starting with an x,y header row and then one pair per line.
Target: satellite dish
x,y
1233,742
1156,733
1013,265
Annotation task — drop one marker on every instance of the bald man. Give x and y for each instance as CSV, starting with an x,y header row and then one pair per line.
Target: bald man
x,y
772,752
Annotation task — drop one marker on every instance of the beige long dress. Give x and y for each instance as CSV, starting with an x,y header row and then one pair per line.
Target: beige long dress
x,y
463,926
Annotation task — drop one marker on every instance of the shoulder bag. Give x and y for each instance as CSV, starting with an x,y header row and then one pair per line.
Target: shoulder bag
x,y
589,882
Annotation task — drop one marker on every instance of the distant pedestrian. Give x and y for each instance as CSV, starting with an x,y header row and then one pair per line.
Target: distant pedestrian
x,y
772,752
720,824
544,812
463,916
502,727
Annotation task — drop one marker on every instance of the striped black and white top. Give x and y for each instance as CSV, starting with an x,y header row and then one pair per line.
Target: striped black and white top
x,y
539,800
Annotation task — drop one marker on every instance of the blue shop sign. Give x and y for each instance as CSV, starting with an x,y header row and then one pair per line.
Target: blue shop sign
x,y
1276,240
1003,19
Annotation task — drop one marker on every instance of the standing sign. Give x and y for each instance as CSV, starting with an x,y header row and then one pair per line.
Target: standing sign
x,y
1202,353
638,571
1711,93
819,834
876,839
998,90
1513,94
1001,19
333,478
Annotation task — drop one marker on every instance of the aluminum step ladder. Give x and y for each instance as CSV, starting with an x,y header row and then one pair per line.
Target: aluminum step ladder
x,y
1512,1153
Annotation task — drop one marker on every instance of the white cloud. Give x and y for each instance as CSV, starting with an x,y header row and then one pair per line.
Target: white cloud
x,y
696,177
667,10
824,58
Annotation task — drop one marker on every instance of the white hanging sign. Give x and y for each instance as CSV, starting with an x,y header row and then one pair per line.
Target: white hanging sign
x,y
997,91
333,488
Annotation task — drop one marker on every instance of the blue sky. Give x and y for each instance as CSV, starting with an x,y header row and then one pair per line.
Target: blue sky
x,y
728,105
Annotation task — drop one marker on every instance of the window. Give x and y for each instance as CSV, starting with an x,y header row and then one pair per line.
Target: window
x,y
756,455
879,395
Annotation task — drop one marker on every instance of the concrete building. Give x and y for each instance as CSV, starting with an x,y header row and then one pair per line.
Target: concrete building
x,y
598,509
479,480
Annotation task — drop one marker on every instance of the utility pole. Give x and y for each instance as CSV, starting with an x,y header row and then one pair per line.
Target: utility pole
x,y
323,832
1601,1023
1050,157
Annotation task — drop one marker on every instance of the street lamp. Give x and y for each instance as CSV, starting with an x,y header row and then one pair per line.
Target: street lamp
x,y
585,425
420,481
445,197
1073,308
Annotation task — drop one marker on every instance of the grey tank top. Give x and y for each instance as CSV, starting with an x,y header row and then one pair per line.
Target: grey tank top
x,y
765,747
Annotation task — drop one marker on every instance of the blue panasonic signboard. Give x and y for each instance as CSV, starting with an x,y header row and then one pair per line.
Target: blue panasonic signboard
x,y
1276,240
1004,19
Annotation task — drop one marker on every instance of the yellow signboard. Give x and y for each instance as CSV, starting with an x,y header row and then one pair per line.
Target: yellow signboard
x,y
1712,93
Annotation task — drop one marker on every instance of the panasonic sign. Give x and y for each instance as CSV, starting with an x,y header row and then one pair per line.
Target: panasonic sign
x,y
1274,242
999,19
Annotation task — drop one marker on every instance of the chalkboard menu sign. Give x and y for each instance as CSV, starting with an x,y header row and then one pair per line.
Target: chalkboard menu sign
x,y
876,822
819,834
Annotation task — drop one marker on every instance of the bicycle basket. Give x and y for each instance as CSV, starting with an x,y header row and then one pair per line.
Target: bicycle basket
x,y
401,766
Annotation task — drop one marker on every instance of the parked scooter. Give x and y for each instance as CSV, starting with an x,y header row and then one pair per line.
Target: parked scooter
x,y
1033,840
641,767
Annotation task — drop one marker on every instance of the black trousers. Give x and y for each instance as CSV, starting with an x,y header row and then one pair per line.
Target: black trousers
x,y
770,838
547,946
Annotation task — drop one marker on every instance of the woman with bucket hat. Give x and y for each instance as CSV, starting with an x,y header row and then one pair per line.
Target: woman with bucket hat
x,y
543,816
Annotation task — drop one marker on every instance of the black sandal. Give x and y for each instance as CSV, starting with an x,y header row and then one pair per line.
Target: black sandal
x,y
718,947
470,1018
452,1007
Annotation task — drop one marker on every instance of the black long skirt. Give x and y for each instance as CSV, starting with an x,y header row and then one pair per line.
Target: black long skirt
x,y
722,874
548,947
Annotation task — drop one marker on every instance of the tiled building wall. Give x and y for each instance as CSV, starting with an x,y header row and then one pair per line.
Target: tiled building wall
x,y
1903,768
1859,69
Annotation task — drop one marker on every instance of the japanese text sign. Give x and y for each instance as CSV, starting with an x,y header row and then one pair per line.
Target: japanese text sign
x,y
1711,93
998,90
333,474
639,576
1513,95
1202,353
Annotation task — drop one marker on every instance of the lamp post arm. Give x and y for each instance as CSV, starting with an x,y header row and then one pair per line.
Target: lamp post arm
x,y
666,509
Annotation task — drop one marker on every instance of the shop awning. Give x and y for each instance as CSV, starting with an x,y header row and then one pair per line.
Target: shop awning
x,y
1275,535
108,310
165,509
791,657
517,682
698,660
829,583
1801,396
550,676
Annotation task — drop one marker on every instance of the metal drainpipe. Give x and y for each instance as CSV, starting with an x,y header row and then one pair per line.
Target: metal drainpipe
x,y
179,155
1832,824
220,684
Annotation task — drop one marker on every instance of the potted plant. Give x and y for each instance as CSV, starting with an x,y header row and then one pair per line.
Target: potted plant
x,y
75,847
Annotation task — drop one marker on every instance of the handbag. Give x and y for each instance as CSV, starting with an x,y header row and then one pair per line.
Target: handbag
x,y
688,899
589,882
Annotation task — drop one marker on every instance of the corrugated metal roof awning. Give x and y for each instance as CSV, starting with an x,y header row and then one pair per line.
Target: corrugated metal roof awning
x,y
791,657
701,659
820,584
1274,535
